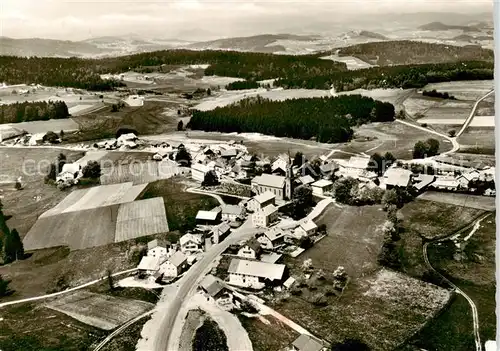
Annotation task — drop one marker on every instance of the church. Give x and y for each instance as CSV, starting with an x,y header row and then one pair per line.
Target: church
x,y
280,186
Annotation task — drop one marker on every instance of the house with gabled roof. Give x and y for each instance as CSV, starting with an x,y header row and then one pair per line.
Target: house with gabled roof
x,y
149,264
217,291
397,177
321,187
174,266
260,201
255,274
232,212
271,238
265,216
191,243
251,249
219,232
208,217
158,248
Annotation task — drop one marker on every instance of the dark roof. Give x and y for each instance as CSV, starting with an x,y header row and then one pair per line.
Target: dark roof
x,y
253,244
211,285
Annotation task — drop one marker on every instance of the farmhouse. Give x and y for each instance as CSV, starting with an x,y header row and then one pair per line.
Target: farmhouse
x,y
191,243
465,178
445,183
158,248
219,232
174,265
251,250
423,181
306,228
208,217
198,171
216,290
70,172
272,238
356,168
307,343
397,177
280,186
305,180
260,201
229,153
328,168
321,187
266,216
232,212
255,274
149,265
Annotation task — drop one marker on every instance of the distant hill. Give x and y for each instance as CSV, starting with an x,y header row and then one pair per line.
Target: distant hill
x,y
46,47
406,52
439,26
368,34
256,43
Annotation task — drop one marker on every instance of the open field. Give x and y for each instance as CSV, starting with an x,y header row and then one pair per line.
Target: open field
x,y
40,273
31,327
393,137
353,241
42,127
141,218
127,340
477,139
267,333
181,207
381,309
99,196
463,90
101,311
485,203
89,222
36,197
429,220
351,61
77,230
475,275
141,172
8,131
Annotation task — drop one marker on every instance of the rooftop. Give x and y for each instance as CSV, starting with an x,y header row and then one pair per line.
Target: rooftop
x,y
270,271
397,177
322,183
358,162
157,243
270,180
207,215
308,225
264,197
232,210
200,167
149,263
269,209
190,237
306,179
211,285
177,259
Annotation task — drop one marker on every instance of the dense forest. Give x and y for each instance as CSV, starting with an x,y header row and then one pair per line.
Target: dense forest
x,y
324,119
245,84
437,94
412,76
407,52
293,71
72,72
33,111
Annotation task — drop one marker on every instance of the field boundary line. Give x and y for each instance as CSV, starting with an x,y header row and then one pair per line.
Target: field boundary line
x,y
42,297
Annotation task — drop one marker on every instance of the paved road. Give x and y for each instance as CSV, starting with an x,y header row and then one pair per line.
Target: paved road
x,y
36,298
188,284
475,316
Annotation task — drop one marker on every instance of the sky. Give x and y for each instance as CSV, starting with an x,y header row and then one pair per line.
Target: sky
x,y
184,19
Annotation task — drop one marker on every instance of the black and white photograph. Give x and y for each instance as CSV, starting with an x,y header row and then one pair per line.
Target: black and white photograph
x,y
229,175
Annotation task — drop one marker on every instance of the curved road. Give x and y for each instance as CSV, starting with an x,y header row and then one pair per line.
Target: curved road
x,y
475,316
188,284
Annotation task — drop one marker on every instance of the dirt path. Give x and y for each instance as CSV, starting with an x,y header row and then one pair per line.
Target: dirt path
x,y
473,113
475,317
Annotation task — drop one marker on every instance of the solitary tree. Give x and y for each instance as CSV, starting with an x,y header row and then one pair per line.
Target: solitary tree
x,y
298,160
210,179
111,282
13,248
18,186
180,126
183,157
61,134
452,133
92,170
4,287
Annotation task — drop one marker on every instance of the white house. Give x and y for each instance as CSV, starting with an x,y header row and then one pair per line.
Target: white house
x,y
397,177
260,201
305,180
198,171
251,249
308,227
191,243
265,216
445,183
158,248
174,265
70,172
232,212
465,178
254,274
149,264
277,185
208,217
271,238
356,168
215,289
321,187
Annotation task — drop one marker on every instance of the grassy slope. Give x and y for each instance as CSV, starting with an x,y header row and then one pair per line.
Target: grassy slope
x,y
268,337
181,206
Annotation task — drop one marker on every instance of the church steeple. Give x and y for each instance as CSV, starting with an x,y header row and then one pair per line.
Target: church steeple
x,y
289,179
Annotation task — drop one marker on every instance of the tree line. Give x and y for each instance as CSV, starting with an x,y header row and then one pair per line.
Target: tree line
x,y
241,85
33,111
327,119
437,94
11,245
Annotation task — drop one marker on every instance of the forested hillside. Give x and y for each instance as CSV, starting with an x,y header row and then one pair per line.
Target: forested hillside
x,y
33,111
324,119
412,76
406,52
240,85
